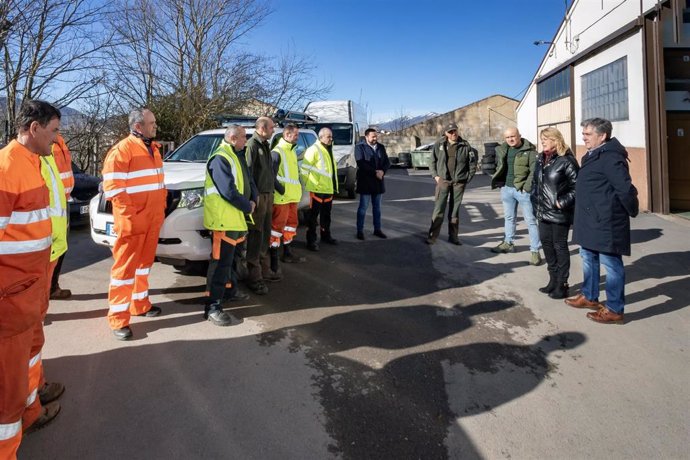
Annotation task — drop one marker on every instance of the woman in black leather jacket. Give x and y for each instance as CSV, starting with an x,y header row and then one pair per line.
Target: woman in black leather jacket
x,y
553,200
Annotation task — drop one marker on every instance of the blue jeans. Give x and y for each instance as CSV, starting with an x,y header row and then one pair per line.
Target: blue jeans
x,y
615,278
364,200
511,198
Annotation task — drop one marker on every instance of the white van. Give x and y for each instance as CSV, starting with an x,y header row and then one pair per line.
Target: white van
x,y
183,239
348,121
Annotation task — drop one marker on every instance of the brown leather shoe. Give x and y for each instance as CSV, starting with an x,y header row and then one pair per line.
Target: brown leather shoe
x,y
48,414
605,316
580,301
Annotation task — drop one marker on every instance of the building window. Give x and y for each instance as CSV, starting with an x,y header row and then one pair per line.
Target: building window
x,y
605,92
556,87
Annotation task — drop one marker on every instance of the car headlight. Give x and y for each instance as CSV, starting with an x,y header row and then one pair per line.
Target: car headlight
x,y
192,198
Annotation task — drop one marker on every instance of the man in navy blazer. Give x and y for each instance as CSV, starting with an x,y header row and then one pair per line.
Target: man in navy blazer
x,y
605,200
372,164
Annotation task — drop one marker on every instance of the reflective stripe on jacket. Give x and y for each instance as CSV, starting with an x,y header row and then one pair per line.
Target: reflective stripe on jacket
x,y
288,174
25,239
58,206
63,160
133,174
219,214
317,169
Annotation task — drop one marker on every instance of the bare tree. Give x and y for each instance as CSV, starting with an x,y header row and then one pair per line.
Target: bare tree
x,y
50,51
183,59
289,83
401,122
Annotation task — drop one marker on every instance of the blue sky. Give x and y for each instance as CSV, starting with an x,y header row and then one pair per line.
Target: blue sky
x,y
414,56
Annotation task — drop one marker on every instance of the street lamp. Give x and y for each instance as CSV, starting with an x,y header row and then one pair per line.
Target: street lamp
x,y
542,42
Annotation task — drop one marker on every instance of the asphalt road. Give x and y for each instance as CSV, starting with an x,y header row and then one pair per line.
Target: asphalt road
x,y
380,349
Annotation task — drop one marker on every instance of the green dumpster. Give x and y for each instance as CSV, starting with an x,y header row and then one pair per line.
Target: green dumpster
x,y
421,156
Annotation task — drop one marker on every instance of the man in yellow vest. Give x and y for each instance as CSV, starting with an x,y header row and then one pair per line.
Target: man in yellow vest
x,y
321,179
35,418
229,199
287,195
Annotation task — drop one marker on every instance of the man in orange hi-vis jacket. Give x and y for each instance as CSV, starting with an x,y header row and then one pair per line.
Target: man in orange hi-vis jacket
x,y
133,182
25,241
63,160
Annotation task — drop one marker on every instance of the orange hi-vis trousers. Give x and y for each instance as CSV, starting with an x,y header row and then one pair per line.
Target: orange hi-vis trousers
x,y
134,254
283,223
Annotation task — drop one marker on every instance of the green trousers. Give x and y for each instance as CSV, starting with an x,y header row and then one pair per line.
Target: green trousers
x,y
447,195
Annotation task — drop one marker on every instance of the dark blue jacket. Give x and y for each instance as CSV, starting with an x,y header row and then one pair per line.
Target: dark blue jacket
x,y
605,200
367,164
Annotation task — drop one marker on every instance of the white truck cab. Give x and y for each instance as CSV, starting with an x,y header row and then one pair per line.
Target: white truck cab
x,y
348,121
183,238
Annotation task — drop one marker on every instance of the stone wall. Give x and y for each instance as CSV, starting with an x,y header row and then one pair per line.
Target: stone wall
x,y
481,122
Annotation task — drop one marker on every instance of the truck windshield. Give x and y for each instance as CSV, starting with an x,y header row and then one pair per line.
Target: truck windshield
x,y
342,132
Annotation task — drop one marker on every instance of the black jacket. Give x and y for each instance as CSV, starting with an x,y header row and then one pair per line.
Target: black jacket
x,y
367,164
554,182
465,163
260,162
606,199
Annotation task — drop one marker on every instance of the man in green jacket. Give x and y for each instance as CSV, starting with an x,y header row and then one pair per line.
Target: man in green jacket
x,y
516,161
452,166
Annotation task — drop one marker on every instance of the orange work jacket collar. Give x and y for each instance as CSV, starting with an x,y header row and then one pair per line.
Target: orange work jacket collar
x,y
18,148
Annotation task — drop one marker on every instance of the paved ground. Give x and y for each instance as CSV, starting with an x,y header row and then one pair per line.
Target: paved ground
x,y
381,349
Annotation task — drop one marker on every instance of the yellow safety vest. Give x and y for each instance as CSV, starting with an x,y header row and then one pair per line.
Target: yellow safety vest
x,y
317,170
288,174
219,214
58,206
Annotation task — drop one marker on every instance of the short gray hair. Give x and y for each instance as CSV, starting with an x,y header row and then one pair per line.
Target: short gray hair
x,y
136,116
232,130
324,131
600,125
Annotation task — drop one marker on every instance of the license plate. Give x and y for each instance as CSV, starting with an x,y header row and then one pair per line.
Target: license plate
x,y
84,209
109,229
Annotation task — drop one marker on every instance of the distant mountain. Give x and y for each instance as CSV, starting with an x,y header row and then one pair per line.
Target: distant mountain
x,y
69,115
404,122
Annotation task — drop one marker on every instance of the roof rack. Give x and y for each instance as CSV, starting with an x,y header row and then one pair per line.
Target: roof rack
x,y
281,118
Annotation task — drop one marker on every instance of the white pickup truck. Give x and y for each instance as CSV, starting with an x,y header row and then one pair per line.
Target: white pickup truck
x,y
183,239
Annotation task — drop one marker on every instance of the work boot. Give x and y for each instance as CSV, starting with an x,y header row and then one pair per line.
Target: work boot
x,y
456,241
48,414
49,392
551,286
274,259
380,234
289,257
60,294
153,311
504,248
360,236
328,239
218,317
124,333
273,277
453,233
535,259
258,287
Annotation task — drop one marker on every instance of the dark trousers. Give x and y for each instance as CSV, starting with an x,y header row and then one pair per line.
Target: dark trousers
x,y
258,238
554,242
449,195
220,276
319,210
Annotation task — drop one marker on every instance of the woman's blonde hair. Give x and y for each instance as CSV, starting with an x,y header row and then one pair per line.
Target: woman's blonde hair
x,y
555,135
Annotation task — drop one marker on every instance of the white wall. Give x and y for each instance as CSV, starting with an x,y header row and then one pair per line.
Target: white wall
x,y
630,132
589,21
527,115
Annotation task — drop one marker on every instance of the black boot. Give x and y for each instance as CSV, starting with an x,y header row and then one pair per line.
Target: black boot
x,y
551,286
274,259
289,257
560,291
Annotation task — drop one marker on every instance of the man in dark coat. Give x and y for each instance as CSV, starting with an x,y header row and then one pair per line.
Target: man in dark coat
x,y
372,164
452,166
605,199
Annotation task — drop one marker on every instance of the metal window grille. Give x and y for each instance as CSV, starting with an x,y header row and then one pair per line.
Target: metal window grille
x,y
605,92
